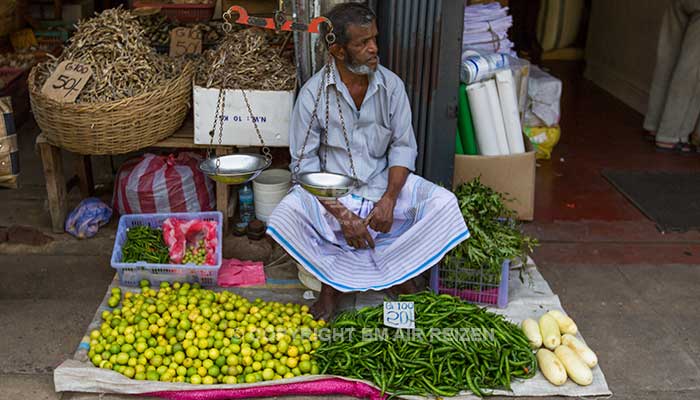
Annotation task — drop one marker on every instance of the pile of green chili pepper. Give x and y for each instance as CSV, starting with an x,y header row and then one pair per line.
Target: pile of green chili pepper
x,y
144,243
443,364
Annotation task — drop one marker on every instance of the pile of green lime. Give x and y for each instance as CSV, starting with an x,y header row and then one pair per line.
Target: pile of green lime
x,y
195,255
184,333
115,297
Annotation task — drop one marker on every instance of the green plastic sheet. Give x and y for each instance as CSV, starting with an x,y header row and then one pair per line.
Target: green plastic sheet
x,y
464,122
458,147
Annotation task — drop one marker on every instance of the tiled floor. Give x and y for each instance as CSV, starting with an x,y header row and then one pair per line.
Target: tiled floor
x,y
579,216
598,132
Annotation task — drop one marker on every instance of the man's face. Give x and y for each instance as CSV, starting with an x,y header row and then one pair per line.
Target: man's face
x,y
361,50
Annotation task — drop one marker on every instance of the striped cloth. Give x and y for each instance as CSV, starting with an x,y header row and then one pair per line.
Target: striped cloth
x,y
162,184
427,224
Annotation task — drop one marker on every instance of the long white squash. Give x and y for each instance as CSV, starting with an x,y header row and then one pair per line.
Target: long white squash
x,y
551,337
577,370
551,367
532,331
583,351
566,324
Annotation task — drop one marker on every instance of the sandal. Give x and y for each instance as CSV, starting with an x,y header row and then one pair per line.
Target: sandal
x,y
681,148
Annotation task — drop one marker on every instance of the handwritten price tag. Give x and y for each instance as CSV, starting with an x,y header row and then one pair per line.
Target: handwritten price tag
x,y
399,314
66,82
185,41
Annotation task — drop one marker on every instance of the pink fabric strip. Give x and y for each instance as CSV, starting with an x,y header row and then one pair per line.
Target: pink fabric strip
x,y
331,386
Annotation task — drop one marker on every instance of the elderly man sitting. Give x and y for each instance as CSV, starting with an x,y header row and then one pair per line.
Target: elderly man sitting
x,y
395,225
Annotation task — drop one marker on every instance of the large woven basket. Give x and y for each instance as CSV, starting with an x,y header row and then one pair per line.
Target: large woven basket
x,y
115,127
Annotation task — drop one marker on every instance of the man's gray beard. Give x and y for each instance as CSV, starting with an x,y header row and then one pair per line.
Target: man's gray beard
x,y
360,69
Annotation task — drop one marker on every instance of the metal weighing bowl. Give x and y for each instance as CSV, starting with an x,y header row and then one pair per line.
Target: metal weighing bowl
x,y
326,185
235,169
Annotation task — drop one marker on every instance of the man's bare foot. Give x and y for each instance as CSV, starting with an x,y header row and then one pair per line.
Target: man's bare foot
x,y
324,307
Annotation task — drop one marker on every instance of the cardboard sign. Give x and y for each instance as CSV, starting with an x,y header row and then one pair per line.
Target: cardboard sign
x,y
66,82
399,314
185,41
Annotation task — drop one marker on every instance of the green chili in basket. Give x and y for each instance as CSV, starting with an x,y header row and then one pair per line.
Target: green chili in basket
x,y
145,244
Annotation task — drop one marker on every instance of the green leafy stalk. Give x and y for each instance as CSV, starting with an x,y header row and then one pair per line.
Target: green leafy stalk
x,y
496,235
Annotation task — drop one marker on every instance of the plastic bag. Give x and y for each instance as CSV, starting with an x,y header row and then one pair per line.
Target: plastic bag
x,y
543,99
239,273
87,218
162,184
178,235
543,139
477,66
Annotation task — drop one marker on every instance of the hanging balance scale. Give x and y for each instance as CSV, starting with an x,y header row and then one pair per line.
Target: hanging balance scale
x,y
237,169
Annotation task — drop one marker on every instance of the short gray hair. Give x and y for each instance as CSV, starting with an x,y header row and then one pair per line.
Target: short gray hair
x,y
346,14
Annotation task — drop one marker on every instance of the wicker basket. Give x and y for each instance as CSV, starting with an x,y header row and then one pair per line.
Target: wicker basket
x,y
116,127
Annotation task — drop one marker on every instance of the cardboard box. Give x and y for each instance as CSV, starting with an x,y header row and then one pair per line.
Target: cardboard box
x,y
272,110
8,144
7,122
9,161
511,174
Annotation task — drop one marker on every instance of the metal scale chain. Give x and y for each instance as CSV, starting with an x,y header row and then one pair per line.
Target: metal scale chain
x,y
219,117
324,130
330,39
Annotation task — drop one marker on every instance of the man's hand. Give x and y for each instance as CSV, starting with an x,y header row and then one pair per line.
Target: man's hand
x,y
382,217
353,227
355,231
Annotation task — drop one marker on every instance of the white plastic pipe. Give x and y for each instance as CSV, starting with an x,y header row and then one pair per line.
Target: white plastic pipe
x,y
509,110
497,115
483,120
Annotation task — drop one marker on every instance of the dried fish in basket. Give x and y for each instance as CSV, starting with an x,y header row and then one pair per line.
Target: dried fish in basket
x,y
123,63
134,98
246,60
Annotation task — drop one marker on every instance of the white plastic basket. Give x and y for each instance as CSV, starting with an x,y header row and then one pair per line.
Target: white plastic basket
x,y
130,274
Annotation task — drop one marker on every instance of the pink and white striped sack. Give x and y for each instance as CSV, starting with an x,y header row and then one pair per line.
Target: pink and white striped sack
x,y
163,184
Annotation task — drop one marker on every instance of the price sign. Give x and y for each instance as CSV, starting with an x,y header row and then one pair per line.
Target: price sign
x,y
185,41
66,82
399,314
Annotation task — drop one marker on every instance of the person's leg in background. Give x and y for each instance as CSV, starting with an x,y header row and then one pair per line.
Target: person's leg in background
x,y
682,108
667,53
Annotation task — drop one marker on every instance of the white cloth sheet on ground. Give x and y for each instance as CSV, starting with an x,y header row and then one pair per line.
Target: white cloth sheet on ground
x,y
427,224
528,299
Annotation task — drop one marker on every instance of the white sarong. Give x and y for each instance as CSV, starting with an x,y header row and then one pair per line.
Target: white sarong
x,y
427,224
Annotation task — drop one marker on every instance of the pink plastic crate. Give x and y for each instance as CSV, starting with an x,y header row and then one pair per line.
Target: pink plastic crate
x,y
474,286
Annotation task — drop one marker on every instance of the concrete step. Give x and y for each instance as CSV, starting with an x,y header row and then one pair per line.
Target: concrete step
x,y
27,386
56,277
38,335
